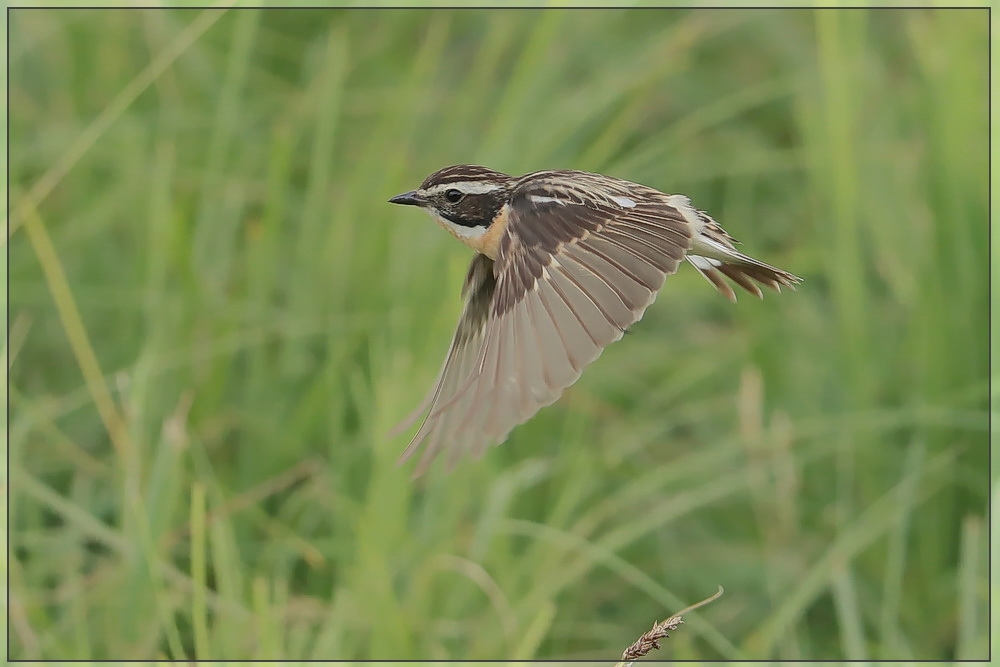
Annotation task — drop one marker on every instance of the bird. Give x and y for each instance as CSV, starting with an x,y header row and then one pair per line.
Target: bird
x,y
565,262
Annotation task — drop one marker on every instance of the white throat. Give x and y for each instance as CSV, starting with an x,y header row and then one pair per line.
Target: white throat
x,y
460,232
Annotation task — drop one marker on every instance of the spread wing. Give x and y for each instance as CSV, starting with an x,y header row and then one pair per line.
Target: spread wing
x,y
477,292
579,263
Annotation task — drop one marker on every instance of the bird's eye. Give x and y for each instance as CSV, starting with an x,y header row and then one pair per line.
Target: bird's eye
x,y
454,196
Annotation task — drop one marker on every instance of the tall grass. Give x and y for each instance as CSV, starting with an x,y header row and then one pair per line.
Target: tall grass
x,y
215,318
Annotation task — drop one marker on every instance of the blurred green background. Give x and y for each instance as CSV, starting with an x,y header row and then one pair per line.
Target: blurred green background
x,y
215,317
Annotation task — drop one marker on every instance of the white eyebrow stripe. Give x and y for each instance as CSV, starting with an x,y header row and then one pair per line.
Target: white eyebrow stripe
x,y
624,202
466,187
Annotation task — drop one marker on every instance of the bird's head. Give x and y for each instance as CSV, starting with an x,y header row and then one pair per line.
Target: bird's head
x,y
464,195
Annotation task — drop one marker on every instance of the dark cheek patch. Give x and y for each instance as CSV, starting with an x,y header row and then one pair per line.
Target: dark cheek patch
x,y
473,211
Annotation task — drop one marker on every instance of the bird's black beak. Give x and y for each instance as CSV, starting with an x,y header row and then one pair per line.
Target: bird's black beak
x,y
410,198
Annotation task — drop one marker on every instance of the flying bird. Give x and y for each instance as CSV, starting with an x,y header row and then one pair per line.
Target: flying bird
x,y
566,261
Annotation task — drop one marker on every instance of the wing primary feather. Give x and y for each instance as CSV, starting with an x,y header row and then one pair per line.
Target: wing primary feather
x,y
632,293
559,369
578,342
597,289
487,366
477,291
625,260
501,394
648,251
662,243
533,362
599,328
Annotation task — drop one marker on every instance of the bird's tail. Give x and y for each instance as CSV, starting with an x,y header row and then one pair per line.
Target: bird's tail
x,y
714,260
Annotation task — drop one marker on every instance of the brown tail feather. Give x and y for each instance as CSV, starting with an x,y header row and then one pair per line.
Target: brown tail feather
x,y
741,278
743,271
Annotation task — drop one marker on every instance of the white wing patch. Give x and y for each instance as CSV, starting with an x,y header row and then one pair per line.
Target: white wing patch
x,y
624,202
540,199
